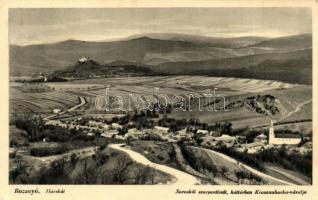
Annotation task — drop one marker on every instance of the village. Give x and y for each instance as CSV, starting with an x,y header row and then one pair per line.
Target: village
x,y
176,96
190,135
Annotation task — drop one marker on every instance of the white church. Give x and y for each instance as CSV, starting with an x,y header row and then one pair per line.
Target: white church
x,y
282,138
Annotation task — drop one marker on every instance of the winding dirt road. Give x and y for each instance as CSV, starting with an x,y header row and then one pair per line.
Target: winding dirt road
x,y
298,107
181,178
82,103
269,179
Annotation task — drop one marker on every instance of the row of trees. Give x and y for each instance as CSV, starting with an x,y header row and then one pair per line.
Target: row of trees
x,y
245,176
278,156
289,160
243,157
48,151
37,130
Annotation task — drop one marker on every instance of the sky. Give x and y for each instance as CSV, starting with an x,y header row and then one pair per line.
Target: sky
x,y
39,25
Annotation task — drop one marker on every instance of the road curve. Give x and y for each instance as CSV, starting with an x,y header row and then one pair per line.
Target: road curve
x,y
268,178
82,103
181,178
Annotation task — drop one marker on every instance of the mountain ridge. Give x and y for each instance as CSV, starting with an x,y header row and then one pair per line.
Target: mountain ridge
x,y
172,54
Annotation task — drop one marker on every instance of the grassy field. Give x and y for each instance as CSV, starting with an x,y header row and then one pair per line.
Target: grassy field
x,y
287,175
201,156
17,136
158,152
303,127
216,160
65,95
239,118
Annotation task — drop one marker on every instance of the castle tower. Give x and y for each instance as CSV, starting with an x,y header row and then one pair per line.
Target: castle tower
x,y
271,134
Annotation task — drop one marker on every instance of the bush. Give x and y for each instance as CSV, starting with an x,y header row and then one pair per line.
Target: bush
x,y
13,143
247,175
48,151
160,157
103,146
13,154
291,161
58,166
197,163
248,159
100,159
73,159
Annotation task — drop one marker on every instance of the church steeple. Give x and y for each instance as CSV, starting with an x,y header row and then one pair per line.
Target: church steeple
x,y
272,123
271,134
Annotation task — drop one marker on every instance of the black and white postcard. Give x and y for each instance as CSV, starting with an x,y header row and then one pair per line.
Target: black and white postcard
x,y
139,100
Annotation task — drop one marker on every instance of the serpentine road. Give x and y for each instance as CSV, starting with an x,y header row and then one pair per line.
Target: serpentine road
x,y
82,103
181,178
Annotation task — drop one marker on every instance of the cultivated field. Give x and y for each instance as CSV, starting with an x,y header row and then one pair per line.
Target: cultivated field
x,y
295,100
41,103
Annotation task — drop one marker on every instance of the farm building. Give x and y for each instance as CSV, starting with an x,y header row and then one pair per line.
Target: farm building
x,y
109,134
225,138
241,138
253,147
261,138
90,134
215,134
56,123
83,127
161,128
116,126
12,152
182,136
134,133
99,125
119,137
281,139
162,134
95,123
56,110
203,132
105,126
183,131
307,147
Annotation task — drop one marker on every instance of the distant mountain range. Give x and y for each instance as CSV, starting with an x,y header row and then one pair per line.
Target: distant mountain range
x,y
287,58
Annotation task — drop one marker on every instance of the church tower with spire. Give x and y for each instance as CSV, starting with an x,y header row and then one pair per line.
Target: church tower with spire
x,y
271,134
280,139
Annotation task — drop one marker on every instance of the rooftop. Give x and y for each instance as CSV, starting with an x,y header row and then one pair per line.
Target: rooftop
x,y
254,144
286,135
261,136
